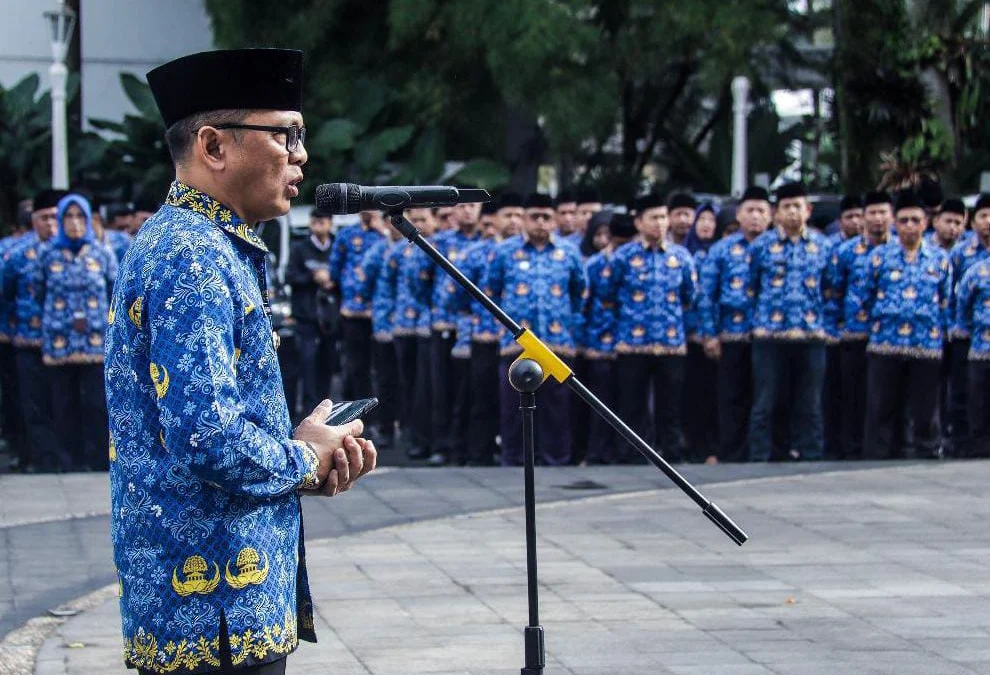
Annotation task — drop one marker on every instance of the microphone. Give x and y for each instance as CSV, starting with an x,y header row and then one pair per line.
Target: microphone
x,y
344,198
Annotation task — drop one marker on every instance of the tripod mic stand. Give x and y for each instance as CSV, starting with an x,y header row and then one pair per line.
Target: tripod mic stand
x,y
534,366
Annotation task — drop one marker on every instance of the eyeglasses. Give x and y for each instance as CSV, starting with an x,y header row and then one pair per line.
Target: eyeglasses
x,y
294,134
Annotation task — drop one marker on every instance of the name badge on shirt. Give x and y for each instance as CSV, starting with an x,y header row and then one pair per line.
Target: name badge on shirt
x,y
524,265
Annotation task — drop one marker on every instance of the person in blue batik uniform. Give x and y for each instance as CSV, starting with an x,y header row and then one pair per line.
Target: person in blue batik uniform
x,y
11,421
651,282
972,317
446,372
20,278
948,226
74,282
539,281
850,225
485,332
726,313
411,328
205,469
786,275
565,213
700,412
967,252
347,277
680,214
380,287
598,341
907,294
849,319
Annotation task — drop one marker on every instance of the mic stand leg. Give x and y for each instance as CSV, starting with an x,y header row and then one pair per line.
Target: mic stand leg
x,y
525,376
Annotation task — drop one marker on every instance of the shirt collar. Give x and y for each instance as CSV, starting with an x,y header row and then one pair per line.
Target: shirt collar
x,y
804,234
182,196
551,242
661,245
316,242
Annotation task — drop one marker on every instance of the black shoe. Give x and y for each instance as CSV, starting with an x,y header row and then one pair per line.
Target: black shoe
x,y
417,452
437,459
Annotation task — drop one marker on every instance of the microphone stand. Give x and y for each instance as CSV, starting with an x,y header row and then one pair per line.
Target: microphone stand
x,y
534,366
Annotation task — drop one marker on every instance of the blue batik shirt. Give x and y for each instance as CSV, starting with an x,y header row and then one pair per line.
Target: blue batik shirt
x,y
907,297
118,241
413,286
75,286
964,255
203,472
787,278
692,315
541,289
452,244
598,327
20,278
651,288
348,250
973,309
8,317
725,299
380,287
847,317
484,327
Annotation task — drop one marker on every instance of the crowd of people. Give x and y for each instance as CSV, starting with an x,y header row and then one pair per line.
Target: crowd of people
x,y
57,270
749,338
752,337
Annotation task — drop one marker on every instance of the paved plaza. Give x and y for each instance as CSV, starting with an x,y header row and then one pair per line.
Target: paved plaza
x,y
851,569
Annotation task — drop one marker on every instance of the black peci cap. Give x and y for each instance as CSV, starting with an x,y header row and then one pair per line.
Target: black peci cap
x,y
238,79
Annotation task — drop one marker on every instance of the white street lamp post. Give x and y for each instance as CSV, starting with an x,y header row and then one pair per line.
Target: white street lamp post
x,y
740,108
62,21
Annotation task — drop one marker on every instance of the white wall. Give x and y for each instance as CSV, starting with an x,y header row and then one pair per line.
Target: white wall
x,y
116,36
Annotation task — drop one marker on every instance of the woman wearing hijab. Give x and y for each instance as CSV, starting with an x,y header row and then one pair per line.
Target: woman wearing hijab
x,y
76,277
700,421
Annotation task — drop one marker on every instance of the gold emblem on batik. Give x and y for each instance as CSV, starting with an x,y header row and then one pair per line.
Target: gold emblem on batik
x,y
135,312
159,376
248,570
194,570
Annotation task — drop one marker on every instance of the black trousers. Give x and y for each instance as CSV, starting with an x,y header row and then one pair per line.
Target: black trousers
x,y
484,413
581,422
442,385
787,376
552,421
460,411
735,399
603,440
36,410
957,408
888,377
637,375
700,411
833,396
853,414
316,361
355,342
406,348
387,389
978,444
11,420
79,408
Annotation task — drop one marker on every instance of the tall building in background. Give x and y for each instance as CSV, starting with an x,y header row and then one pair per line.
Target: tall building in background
x,y
115,36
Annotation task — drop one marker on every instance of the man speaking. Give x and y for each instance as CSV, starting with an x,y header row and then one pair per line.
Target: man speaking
x,y
205,469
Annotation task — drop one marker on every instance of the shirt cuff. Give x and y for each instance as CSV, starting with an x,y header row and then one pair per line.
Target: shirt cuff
x,y
310,464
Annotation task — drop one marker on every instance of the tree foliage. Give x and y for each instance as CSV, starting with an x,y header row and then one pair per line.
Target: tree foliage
x,y
395,88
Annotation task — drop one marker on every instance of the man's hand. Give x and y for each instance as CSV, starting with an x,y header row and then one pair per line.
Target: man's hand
x,y
322,277
344,457
713,349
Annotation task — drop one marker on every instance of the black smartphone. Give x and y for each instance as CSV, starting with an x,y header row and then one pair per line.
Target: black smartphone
x,y
348,411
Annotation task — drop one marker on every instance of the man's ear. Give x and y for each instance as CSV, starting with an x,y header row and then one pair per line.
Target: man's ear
x,y
211,147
